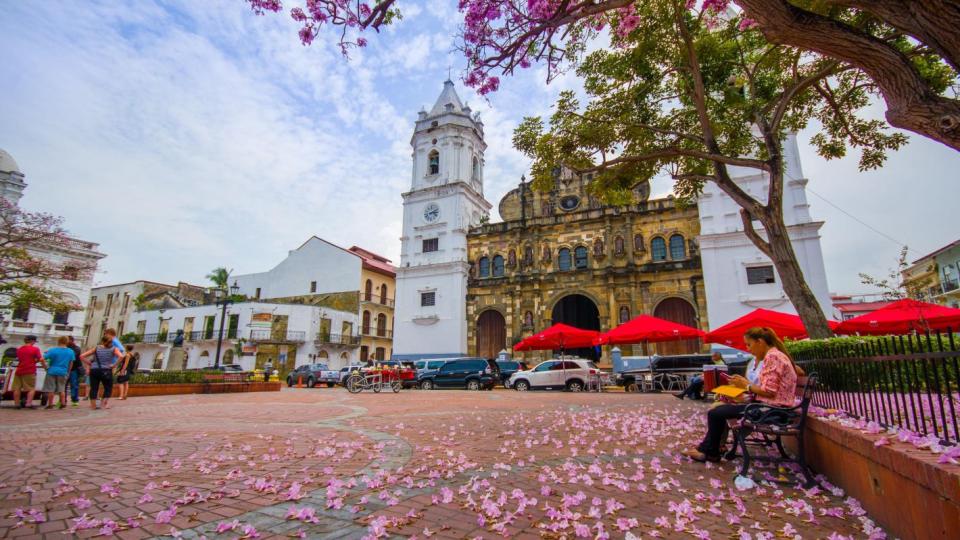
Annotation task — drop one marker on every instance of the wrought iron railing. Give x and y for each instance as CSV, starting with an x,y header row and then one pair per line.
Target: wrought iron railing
x,y
910,382
376,332
273,335
337,339
376,298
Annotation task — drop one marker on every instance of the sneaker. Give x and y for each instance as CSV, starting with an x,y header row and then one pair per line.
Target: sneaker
x,y
75,404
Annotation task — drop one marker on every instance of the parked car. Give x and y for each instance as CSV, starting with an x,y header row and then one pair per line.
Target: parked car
x,y
508,368
429,365
313,374
572,375
228,368
345,372
469,373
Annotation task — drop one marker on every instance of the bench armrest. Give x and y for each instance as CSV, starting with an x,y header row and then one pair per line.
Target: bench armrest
x,y
763,414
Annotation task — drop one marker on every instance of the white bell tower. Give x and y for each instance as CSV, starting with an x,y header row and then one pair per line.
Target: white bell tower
x,y
445,199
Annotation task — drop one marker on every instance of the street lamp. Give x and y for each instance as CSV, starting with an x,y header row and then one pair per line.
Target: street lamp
x,y
223,299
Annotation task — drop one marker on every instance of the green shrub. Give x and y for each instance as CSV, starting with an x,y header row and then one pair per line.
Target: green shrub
x,y
168,377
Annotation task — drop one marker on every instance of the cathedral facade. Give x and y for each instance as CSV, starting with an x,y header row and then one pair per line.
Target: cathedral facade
x,y
562,256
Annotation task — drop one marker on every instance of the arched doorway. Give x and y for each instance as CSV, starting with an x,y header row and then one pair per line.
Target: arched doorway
x,y
680,311
204,360
227,357
579,311
491,334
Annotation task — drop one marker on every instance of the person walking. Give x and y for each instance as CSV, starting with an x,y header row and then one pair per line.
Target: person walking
x,y
125,369
25,377
267,370
100,367
77,372
59,361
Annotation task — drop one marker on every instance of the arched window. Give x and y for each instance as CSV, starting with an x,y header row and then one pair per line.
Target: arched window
x,y
345,357
381,325
324,354
659,248
498,266
383,293
366,322
484,267
624,314
638,243
434,160
580,258
678,248
368,291
618,248
563,259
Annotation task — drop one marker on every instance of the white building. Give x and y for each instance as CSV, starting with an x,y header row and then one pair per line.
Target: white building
x,y
737,276
287,335
445,198
48,327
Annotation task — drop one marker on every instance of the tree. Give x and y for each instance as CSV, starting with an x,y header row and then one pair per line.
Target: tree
x,y
28,278
896,285
220,277
910,49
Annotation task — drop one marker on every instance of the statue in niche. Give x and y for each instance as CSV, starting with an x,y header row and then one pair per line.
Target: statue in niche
x,y
511,258
618,248
638,242
178,339
598,247
528,319
545,256
527,256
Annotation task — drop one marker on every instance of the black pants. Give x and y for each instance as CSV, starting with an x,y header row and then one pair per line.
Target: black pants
x,y
98,377
694,389
717,427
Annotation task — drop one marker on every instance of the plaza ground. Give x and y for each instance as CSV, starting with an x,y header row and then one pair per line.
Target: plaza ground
x,y
450,464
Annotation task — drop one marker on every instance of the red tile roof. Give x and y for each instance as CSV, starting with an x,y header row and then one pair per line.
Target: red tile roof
x,y
374,262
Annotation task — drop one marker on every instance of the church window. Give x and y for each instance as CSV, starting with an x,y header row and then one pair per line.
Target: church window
x,y
434,160
431,244
638,243
428,299
618,245
580,257
563,259
678,248
498,266
624,314
484,267
570,203
659,248
758,275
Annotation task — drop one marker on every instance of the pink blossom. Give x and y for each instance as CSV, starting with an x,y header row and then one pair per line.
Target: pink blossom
x,y
165,516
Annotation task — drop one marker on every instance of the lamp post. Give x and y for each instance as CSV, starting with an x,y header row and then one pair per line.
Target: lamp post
x,y
223,299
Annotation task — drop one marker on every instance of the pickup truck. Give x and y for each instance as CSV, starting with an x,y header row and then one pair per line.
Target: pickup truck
x,y
314,374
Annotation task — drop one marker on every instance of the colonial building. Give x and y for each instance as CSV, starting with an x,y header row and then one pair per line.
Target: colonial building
x,y
562,256
111,306
48,327
445,199
738,276
935,277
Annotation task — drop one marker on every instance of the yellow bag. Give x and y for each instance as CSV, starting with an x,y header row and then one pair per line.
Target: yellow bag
x,y
728,391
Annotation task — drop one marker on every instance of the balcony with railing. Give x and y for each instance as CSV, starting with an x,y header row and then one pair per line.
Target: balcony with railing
x,y
376,299
290,336
346,340
370,331
950,285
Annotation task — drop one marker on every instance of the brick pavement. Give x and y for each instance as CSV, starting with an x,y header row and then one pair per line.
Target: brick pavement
x,y
322,463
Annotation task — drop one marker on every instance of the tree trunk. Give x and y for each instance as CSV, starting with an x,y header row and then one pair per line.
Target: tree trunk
x,y
794,284
911,103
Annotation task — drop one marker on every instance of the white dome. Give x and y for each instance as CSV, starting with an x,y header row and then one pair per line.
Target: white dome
x,y
7,163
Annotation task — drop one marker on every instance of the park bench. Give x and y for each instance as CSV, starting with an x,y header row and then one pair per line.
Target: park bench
x,y
763,426
210,378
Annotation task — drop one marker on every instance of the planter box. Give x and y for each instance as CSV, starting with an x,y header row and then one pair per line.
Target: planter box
x,y
137,390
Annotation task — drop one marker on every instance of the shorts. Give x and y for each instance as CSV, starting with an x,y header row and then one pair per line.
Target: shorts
x,y
25,382
121,379
55,383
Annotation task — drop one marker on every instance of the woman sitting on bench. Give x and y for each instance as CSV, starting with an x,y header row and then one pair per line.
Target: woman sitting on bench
x,y
776,386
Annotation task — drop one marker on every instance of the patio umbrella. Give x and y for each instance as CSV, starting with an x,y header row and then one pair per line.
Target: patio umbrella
x,y
902,317
558,336
648,329
786,325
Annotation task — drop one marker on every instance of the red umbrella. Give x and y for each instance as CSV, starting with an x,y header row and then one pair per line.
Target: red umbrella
x,y
902,317
786,325
648,329
558,336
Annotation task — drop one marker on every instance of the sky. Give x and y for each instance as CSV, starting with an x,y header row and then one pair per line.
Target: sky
x,y
183,136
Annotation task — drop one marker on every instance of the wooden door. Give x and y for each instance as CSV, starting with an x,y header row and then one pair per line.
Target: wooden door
x,y
491,334
680,311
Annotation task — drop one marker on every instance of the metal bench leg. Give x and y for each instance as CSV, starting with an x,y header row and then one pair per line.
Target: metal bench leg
x,y
802,461
742,435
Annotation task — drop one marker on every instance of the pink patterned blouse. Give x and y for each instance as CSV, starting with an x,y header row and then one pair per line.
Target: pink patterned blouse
x,y
778,376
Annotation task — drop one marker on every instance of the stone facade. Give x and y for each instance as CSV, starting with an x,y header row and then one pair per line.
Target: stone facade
x,y
524,267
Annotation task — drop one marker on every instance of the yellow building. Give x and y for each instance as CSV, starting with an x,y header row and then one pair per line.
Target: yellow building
x,y
378,280
563,257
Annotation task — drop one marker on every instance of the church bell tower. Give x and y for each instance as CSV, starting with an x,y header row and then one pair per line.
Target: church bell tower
x,y
444,201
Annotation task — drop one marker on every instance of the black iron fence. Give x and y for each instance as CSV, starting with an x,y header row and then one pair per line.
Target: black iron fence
x,y
911,382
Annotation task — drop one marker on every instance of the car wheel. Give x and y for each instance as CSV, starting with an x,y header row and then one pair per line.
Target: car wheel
x,y
330,385
426,385
473,384
311,383
631,387
521,386
289,382
575,386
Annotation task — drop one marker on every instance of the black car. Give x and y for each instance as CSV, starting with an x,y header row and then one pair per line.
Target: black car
x,y
469,373
312,374
508,368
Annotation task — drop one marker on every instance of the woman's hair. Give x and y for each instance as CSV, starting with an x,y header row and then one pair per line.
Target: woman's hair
x,y
63,341
768,336
106,341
